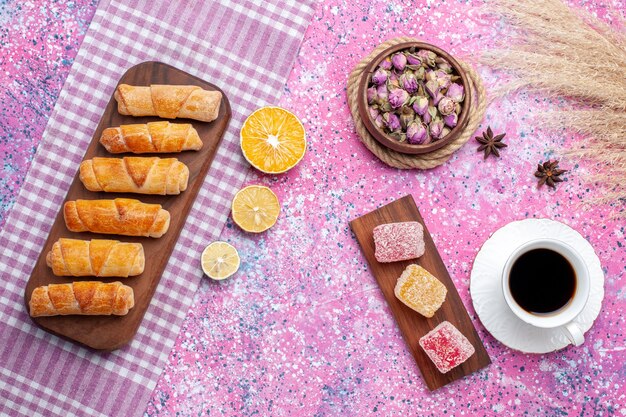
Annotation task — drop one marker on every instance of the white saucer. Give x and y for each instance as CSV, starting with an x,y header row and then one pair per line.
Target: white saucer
x,y
486,287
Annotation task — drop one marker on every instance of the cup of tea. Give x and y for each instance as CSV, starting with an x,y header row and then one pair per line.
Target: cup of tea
x,y
546,284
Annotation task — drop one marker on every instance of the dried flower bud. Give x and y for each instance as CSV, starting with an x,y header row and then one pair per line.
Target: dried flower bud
x,y
379,77
379,121
385,64
413,59
374,112
443,65
392,121
443,79
382,93
432,88
420,73
398,97
385,106
455,92
451,119
406,119
398,61
446,106
436,128
427,57
430,75
445,132
393,81
398,136
438,98
426,117
416,133
409,82
420,105
372,95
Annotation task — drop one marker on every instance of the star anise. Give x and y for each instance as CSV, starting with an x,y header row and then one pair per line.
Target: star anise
x,y
549,173
490,143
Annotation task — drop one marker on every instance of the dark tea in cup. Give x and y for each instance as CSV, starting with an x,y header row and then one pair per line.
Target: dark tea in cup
x,y
542,281
546,284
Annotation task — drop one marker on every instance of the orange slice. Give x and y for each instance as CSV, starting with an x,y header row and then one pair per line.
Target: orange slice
x,y
273,140
255,208
220,260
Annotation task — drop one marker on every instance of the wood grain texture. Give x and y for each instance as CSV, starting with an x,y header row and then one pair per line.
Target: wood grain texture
x,y
110,332
413,325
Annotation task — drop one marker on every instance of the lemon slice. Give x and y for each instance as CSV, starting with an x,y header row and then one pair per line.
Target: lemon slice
x,y
273,140
220,260
255,208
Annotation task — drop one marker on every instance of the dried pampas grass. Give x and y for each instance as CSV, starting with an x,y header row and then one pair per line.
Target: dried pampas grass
x,y
565,53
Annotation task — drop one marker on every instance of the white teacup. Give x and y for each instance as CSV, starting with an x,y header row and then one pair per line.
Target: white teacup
x,y
564,316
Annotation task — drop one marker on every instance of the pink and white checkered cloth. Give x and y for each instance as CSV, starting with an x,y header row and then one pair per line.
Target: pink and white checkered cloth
x,y
247,48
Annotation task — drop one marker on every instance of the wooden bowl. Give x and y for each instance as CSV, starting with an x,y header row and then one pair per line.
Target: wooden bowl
x,y
405,147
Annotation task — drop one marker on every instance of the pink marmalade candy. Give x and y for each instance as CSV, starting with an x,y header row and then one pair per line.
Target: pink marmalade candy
x,y
398,241
446,346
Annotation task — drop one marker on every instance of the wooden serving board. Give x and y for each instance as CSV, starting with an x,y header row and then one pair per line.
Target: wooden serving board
x,y
112,332
412,324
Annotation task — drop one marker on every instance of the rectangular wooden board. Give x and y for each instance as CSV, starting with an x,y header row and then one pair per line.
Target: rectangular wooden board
x,y
112,332
412,324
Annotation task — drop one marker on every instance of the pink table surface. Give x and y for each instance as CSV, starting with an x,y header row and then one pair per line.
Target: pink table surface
x,y
302,329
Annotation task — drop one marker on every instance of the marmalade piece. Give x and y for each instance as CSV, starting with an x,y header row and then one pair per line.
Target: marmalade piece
x,y
419,290
446,346
398,241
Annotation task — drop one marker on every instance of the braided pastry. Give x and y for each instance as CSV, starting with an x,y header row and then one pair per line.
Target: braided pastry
x,y
135,175
168,101
122,216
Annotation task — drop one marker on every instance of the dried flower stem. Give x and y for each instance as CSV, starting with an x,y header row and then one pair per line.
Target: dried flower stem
x,y
565,53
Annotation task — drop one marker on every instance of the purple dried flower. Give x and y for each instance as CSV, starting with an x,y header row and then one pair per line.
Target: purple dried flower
x,y
426,117
416,133
413,60
430,75
438,97
382,92
398,61
393,80
398,97
451,120
455,92
379,77
443,79
427,57
446,106
436,128
374,112
372,95
379,121
409,82
385,64
432,88
420,105
392,121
